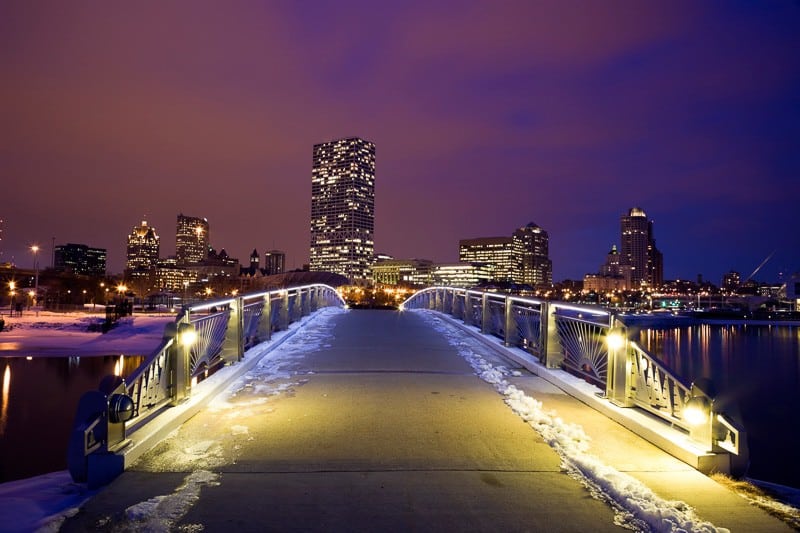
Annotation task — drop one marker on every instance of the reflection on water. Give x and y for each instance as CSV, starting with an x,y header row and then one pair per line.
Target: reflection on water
x,y
36,416
4,399
756,371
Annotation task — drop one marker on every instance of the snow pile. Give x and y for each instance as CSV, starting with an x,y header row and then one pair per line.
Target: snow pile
x,y
636,506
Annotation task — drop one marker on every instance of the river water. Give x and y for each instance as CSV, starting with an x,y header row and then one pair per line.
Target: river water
x,y
38,399
756,370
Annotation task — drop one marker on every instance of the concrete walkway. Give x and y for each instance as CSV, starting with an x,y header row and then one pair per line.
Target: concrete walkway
x,y
387,428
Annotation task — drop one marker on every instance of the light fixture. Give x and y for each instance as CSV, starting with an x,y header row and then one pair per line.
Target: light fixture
x,y
697,410
187,334
615,340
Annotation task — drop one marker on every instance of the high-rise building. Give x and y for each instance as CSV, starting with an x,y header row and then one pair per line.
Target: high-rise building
x,y
191,240
80,259
531,256
497,252
343,208
638,250
143,248
274,262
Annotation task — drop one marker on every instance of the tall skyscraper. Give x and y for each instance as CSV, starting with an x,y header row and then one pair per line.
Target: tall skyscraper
x,y
638,251
532,264
191,240
343,208
143,248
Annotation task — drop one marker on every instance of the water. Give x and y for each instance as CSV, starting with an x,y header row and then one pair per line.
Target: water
x,y
38,398
756,371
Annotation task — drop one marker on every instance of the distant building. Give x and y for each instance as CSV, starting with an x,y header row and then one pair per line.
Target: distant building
x,y
191,240
461,274
638,250
343,208
274,262
143,248
402,272
731,281
80,259
498,252
171,277
531,256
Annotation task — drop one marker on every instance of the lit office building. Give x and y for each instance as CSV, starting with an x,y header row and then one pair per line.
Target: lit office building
x,y
191,240
274,262
465,275
343,208
531,262
638,250
80,259
402,272
495,251
143,248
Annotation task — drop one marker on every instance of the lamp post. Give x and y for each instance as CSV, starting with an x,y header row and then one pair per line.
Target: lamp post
x,y
11,291
35,250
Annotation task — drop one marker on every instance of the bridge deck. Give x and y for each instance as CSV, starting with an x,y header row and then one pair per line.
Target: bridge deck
x,y
385,426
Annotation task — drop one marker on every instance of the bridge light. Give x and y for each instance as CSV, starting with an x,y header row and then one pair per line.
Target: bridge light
x,y
697,410
615,340
187,335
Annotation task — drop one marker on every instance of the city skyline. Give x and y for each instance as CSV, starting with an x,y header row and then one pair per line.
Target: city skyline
x,y
564,114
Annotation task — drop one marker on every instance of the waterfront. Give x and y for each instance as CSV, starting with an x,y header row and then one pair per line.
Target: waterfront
x,y
38,400
756,371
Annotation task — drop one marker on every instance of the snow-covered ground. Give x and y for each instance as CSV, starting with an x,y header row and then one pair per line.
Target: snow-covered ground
x,y
48,333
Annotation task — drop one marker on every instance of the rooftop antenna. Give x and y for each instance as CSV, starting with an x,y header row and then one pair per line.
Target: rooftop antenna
x,y
764,262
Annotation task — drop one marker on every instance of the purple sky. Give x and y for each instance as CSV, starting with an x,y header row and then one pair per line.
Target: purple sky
x,y
485,115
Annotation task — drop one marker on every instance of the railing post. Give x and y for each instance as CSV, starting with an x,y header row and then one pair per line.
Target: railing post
x,y
305,302
510,324
486,318
298,304
284,311
467,309
618,377
264,331
179,354
551,347
233,345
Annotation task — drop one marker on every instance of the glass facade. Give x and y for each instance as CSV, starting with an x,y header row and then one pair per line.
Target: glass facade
x,y
343,208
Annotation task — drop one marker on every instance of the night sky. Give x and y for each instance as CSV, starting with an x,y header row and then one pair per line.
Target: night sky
x,y
485,115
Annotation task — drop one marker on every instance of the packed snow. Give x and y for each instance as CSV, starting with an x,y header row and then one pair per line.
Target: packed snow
x,y
46,333
636,506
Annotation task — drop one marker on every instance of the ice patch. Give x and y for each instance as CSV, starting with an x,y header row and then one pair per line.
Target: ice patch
x,y
162,512
240,430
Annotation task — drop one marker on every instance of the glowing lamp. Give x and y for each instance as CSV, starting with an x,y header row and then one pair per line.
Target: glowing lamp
x,y
615,340
697,410
187,335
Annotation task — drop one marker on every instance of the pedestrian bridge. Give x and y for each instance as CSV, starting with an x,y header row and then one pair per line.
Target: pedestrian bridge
x,y
456,419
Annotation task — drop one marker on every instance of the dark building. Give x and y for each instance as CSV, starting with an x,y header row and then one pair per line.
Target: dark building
x,y
80,259
274,262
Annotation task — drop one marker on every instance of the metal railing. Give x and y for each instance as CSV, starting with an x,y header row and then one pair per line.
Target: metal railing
x,y
576,339
203,338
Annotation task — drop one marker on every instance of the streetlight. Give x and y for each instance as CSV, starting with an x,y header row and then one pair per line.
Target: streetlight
x,y
11,291
35,250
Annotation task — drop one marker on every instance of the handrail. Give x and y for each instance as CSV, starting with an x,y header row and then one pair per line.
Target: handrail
x,y
202,338
574,338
